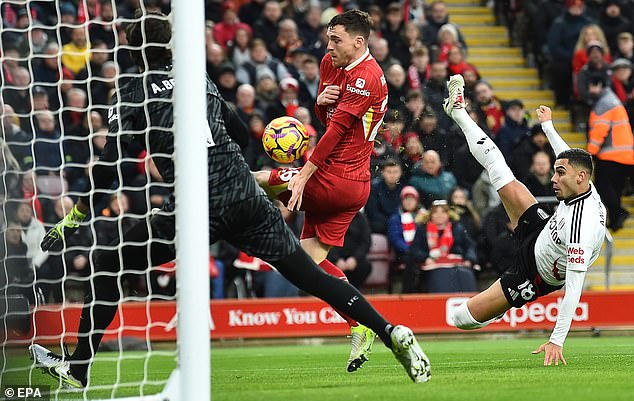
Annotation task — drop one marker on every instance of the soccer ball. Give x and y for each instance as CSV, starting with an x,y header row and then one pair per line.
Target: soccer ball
x,y
285,139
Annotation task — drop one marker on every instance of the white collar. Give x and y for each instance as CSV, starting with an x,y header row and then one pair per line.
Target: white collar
x,y
358,61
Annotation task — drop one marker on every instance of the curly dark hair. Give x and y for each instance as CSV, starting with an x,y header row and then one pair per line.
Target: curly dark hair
x,y
150,36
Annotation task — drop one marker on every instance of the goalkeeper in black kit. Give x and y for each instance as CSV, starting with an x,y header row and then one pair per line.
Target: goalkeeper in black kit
x,y
239,211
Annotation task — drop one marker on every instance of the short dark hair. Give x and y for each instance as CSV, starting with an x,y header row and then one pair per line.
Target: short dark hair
x,y
578,158
354,22
150,34
390,162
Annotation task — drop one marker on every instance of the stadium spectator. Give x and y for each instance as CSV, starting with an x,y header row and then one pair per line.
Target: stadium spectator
x,y
68,14
246,102
471,79
522,155
9,177
310,30
484,195
260,62
430,180
18,140
288,101
411,153
613,22
352,257
102,28
384,196
440,242
611,142
18,273
447,39
537,180
287,41
239,49
401,226
76,54
393,32
414,108
562,36
489,107
397,87
266,26
589,34
413,39
227,82
47,157
500,245
74,112
47,75
596,65
380,49
216,58
309,81
514,129
622,82
32,233
625,48
40,99
460,204
434,91
456,62
432,136
436,18
17,95
419,70
250,11
225,30
34,41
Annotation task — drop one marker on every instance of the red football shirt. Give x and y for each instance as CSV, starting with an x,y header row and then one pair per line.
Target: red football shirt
x,y
362,100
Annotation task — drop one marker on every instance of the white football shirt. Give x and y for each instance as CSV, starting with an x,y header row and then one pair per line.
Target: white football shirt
x,y
572,238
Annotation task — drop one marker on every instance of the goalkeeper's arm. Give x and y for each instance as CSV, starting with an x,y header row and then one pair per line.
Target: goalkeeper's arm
x,y
544,115
103,174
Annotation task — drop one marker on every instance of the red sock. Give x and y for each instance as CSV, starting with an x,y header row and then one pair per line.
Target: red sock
x,y
337,272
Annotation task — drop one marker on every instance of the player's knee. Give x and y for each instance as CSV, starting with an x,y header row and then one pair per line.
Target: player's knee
x,y
463,319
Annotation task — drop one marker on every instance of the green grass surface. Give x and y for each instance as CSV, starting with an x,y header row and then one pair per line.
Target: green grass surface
x,y
468,369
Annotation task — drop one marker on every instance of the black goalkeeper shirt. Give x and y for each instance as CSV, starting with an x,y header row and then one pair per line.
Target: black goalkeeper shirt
x,y
143,114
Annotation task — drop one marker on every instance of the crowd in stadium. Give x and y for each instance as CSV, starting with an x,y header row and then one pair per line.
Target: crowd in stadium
x,y
62,61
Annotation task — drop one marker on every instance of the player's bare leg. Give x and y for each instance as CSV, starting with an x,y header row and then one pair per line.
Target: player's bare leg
x,y
489,304
362,336
482,309
516,199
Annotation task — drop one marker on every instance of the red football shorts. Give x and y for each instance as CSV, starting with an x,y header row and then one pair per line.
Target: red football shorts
x,y
329,202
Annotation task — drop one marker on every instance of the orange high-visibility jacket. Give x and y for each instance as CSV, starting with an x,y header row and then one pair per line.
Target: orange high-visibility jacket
x,y
610,136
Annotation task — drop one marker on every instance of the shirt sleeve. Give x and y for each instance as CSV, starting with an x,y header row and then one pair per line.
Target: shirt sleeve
x,y
574,286
104,172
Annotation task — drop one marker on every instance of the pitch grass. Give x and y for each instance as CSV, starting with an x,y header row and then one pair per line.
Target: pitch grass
x,y
467,369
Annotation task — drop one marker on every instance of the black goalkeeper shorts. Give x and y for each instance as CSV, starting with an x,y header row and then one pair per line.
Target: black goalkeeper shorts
x,y
521,283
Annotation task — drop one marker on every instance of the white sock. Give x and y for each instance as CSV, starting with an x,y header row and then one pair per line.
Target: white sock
x,y
484,150
463,319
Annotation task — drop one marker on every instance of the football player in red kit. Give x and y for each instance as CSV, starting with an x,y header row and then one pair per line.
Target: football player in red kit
x,y
335,182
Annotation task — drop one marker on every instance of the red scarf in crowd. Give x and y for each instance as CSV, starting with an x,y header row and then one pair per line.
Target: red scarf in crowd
x,y
408,226
442,241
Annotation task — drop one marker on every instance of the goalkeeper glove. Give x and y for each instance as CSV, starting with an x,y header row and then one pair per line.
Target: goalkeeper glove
x,y
54,238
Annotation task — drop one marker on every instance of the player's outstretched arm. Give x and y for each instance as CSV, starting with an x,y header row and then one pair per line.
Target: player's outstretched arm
x,y
545,117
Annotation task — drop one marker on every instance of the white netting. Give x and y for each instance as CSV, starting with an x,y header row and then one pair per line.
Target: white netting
x,y
61,64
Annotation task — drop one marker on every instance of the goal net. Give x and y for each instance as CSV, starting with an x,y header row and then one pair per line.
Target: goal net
x,y
62,64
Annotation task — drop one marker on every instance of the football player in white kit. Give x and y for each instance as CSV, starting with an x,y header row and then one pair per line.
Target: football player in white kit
x,y
554,250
